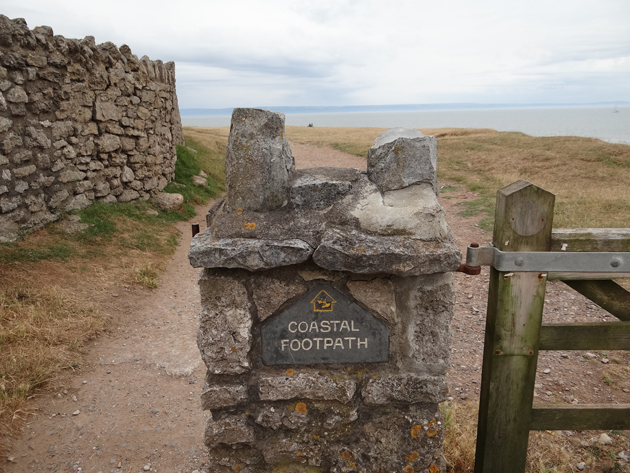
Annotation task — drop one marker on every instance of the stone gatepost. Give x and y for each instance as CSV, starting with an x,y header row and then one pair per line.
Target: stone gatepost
x,y
327,301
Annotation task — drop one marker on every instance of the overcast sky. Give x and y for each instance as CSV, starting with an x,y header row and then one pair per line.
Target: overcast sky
x,y
331,52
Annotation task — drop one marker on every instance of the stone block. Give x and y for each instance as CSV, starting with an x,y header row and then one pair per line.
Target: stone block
x,y
24,171
104,111
9,230
288,452
17,95
258,161
401,157
216,396
402,440
360,253
317,192
410,388
166,201
247,253
108,143
58,198
232,430
36,60
82,186
378,296
37,138
305,384
78,202
128,195
224,336
271,293
413,211
200,181
20,186
5,124
426,305
11,141
71,176
127,175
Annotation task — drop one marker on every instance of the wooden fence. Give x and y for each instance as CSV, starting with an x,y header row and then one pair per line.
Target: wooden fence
x,y
515,333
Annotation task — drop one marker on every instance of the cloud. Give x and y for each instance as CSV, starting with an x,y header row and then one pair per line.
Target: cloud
x,y
335,52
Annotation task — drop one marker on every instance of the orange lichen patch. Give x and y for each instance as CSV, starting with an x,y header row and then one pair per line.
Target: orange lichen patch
x,y
300,408
233,349
416,430
408,469
298,454
433,468
281,135
238,467
290,372
346,455
432,428
239,211
316,437
412,456
249,225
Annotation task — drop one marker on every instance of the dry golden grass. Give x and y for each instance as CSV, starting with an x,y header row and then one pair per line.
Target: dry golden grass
x,y
41,332
548,452
211,143
591,178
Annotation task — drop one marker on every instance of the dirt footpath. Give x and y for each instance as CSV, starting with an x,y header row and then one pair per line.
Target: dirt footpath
x,y
135,405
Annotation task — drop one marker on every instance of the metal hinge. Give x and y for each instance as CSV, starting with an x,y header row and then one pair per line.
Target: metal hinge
x,y
547,261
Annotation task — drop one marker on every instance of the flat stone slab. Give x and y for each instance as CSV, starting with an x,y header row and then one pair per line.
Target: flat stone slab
x,y
402,232
247,253
308,384
324,326
366,254
405,387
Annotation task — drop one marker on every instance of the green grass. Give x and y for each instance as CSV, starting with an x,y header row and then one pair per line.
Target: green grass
x,y
11,253
131,225
190,164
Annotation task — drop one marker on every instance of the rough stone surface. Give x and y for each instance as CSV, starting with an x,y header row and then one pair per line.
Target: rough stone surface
x,y
270,294
69,115
426,305
317,192
398,440
329,246
232,430
360,253
248,253
214,396
401,157
404,387
200,181
413,211
307,383
378,296
398,232
224,336
258,161
166,201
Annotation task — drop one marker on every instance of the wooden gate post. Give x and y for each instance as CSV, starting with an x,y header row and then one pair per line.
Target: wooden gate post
x,y
523,222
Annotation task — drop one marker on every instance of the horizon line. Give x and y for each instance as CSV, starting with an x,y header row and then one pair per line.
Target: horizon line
x,y
401,107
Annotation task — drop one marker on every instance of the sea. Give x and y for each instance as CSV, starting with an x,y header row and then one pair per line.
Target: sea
x,y
610,124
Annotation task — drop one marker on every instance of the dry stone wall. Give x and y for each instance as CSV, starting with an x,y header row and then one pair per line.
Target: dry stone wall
x,y
79,122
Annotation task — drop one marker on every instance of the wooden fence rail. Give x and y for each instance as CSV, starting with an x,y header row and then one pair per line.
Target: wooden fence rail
x,y
515,333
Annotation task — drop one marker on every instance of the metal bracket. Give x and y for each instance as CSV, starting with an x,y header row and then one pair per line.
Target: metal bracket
x,y
548,261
